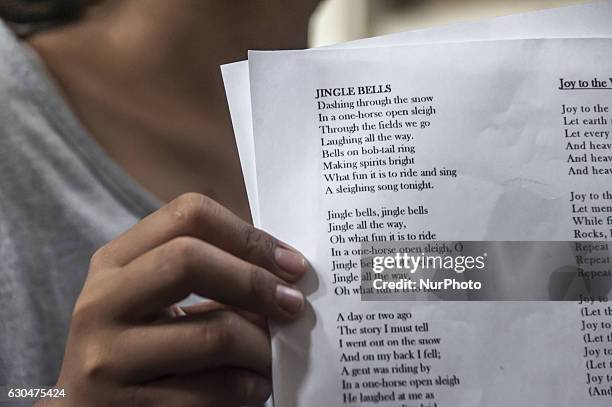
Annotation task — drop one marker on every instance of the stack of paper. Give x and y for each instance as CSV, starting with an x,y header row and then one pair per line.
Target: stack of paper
x,y
489,131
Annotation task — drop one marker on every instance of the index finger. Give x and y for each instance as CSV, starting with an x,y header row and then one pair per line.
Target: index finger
x,y
169,273
195,215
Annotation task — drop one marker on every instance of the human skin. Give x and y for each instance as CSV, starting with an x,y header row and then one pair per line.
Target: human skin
x,y
143,77
129,345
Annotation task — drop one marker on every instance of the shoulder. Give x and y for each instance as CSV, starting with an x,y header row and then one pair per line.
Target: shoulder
x,y
11,57
16,97
21,112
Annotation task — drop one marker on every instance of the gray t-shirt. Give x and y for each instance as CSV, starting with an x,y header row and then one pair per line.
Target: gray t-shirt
x,y
61,198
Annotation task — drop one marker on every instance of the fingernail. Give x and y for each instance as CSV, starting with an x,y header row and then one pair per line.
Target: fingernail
x,y
289,299
290,261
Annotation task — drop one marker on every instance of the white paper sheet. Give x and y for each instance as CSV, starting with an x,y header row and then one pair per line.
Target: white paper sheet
x,y
494,113
581,21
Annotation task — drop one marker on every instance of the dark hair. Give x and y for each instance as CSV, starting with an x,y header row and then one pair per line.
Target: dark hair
x,y
40,11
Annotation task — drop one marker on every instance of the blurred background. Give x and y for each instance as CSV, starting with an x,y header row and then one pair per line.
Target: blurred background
x,y
345,20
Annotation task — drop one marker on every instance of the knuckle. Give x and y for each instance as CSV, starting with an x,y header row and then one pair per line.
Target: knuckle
x,y
261,284
223,335
182,251
92,305
96,363
192,207
257,242
183,248
80,318
99,258
83,316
